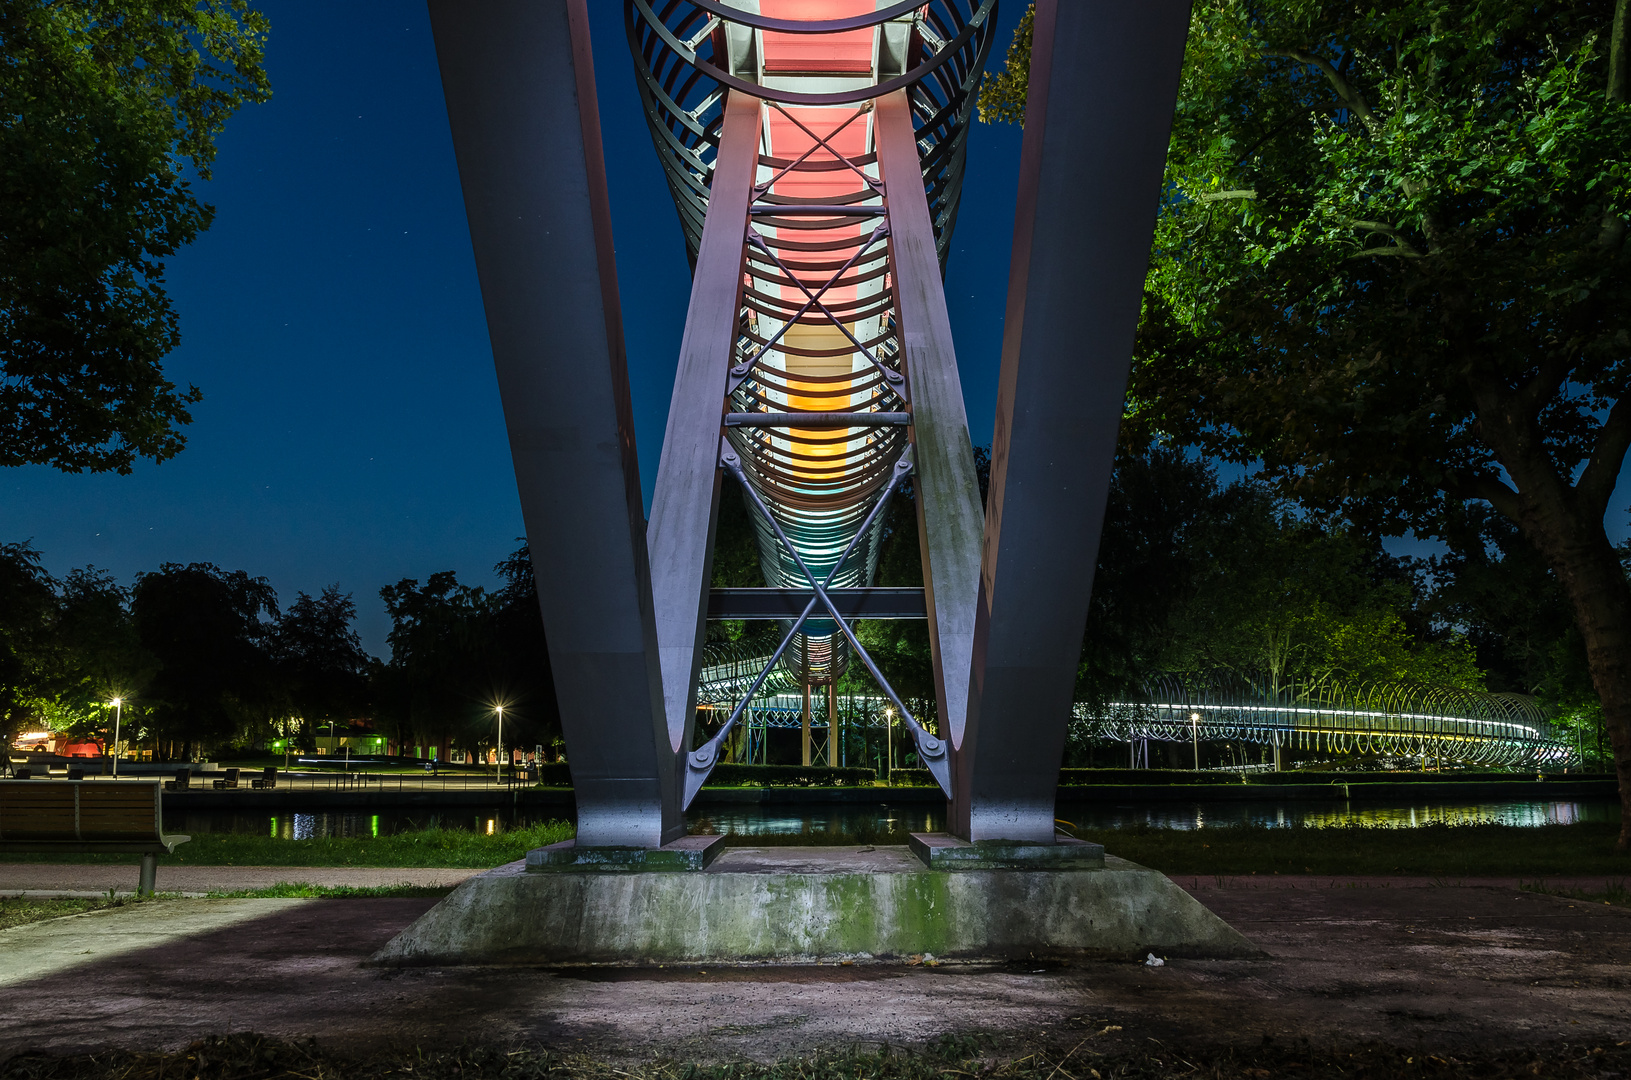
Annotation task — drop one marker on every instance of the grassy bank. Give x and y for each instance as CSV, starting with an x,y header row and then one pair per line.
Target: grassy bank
x,y
424,847
1484,850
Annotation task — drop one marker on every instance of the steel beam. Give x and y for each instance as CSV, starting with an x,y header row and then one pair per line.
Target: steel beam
x,y
1104,79
873,602
685,505
518,77
947,488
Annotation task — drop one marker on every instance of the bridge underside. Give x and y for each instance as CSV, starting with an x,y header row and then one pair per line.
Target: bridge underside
x,y
815,152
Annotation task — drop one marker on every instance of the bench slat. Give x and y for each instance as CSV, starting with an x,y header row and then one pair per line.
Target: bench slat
x,y
80,812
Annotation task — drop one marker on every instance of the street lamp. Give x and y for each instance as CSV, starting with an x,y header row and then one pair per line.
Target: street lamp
x,y
500,710
1195,737
118,716
889,734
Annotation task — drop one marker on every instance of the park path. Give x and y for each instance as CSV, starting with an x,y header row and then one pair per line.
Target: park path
x,y
70,878
1447,967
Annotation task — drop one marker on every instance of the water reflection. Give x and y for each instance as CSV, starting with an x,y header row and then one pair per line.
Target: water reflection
x,y
1202,815
846,824
836,825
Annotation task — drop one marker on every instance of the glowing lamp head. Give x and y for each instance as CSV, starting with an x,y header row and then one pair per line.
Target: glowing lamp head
x,y
116,702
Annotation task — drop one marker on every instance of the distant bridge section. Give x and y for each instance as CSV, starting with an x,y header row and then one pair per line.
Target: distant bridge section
x,y
1393,719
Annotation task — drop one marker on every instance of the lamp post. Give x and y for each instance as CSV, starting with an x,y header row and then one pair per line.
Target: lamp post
x,y
500,710
889,735
1195,737
118,716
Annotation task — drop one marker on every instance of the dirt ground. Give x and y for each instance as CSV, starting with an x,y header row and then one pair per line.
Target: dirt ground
x,y
1447,968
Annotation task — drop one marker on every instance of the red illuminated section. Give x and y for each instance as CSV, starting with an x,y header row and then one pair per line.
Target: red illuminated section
x,y
819,362
847,54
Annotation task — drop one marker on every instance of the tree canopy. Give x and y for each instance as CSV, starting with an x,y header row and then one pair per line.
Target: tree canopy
x,y
1391,271
109,109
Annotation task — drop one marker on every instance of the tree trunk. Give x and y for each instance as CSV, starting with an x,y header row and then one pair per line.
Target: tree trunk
x,y
1589,570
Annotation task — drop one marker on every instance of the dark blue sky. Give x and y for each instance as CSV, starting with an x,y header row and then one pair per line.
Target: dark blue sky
x,y
350,430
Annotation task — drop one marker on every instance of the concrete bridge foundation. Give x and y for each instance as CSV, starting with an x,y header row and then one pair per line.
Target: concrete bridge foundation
x,y
811,905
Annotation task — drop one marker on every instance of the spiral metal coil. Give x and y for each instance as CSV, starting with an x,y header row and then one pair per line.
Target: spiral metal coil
x,y
818,326
1389,719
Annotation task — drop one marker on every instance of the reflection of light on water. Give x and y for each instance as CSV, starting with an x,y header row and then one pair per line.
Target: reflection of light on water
x,y
844,824
1338,812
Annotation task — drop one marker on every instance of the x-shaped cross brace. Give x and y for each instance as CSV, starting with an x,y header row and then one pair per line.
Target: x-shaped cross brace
x,y
740,372
700,763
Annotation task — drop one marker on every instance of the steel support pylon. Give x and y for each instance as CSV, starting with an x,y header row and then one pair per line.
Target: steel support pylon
x,y
1104,80
518,77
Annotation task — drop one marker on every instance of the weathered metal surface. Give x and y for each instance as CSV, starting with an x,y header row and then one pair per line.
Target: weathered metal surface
x,y
518,77
1104,79
685,503
949,512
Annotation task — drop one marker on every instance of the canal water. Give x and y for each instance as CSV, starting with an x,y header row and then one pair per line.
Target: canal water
x,y
885,824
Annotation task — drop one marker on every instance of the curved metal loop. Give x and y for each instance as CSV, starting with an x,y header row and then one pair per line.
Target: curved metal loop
x,y
689,53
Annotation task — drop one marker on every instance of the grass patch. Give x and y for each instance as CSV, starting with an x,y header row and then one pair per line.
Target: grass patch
x,y
249,1057
22,910
1476,850
444,848
1617,893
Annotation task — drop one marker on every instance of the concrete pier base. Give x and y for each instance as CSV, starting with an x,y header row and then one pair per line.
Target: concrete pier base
x,y
808,905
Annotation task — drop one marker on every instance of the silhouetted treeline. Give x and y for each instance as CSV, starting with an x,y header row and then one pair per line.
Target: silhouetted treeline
x,y
207,663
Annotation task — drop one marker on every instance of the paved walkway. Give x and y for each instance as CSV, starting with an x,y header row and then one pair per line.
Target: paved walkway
x,y
69,878
1415,967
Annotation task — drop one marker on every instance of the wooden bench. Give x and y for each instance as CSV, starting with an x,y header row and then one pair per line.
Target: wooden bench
x,y
115,816
268,778
227,782
182,782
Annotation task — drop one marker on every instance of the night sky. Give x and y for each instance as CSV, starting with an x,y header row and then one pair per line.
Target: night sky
x,y
350,430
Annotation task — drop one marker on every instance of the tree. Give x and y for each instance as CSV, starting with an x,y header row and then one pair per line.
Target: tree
x,y
321,663
27,616
526,680
209,629
100,657
108,105
1196,577
1496,586
438,686
1391,268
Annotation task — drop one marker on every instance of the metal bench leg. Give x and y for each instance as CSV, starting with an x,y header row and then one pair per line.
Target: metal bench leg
x,y
150,872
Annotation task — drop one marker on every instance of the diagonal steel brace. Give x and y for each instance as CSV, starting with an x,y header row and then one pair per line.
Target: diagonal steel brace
x,y
896,381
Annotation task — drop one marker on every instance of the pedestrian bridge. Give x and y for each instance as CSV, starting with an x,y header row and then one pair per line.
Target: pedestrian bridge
x,y
1389,719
